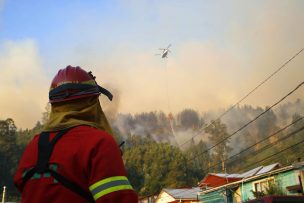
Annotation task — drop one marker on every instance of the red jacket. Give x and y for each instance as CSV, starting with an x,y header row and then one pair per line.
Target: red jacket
x,y
84,155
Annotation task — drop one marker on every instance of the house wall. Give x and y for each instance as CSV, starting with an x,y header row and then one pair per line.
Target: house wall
x,y
164,198
237,196
283,179
289,179
212,197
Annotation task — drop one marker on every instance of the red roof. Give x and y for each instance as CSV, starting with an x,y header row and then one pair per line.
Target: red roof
x,y
214,180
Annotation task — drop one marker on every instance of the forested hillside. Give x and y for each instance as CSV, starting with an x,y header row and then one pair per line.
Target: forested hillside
x,y
178,150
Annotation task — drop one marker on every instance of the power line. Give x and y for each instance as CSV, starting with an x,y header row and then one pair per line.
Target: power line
x,y
264,139
251,121
270,156
269,108
243,98
290,134
277,153
276,142
266,147
256,119
260,116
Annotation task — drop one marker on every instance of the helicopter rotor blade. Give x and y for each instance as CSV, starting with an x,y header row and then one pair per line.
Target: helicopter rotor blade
x,y
169,46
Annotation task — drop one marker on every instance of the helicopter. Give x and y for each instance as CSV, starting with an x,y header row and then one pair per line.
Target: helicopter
x,y
165,52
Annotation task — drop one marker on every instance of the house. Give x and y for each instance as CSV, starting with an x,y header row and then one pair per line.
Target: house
x,y
255,181
183,195
289,179
214,190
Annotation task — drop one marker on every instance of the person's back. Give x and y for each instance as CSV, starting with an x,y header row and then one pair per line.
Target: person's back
x,y
83,154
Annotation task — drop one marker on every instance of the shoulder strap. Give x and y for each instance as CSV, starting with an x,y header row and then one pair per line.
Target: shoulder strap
x,y
45,149
72,186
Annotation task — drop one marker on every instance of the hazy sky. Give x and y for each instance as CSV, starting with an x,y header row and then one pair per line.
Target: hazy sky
x,y
220,51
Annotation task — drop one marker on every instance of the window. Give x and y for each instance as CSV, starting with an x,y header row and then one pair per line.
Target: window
x,y
262,185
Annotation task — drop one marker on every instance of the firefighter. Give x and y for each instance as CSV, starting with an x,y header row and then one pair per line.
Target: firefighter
x,y
75,159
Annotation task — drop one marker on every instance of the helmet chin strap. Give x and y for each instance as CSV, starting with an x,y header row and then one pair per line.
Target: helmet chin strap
x,y
106,92
101,89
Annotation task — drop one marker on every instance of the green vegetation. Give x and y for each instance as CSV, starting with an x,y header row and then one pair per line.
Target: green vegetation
x,y
271,189
152,166
162,151
218,134
274,189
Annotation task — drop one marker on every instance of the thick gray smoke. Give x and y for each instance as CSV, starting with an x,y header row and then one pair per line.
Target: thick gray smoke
x,y
191,124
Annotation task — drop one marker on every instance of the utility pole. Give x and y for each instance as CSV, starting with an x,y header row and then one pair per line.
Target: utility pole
x,y
223,166
3,195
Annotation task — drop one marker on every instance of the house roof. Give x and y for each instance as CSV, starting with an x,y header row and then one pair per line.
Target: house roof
x,y
216,179
251,172
183,193
259,170
226,175
270,169
212,180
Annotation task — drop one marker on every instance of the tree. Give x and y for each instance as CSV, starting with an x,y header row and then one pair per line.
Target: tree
x,y
152,166
197,161
189,119
7,127
218,132
148,121
293,154
266,125
9,152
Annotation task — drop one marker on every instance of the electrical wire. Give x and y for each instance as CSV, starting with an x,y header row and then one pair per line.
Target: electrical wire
x,y
270,145
266,147
269,108
259,161
255,144
276,142
251,121
243,98
277,153
281,151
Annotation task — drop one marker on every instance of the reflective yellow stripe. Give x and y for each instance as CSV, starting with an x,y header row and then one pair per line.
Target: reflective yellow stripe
x,y
107,180
112,189
109,185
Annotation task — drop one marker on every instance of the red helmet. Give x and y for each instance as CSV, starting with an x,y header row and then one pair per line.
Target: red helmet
x,y
72,83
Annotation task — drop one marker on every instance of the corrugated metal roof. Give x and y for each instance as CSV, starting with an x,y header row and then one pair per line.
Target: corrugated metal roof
x,y
223,175
184,193
259,170
226,175
251,172
268,168
234,175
